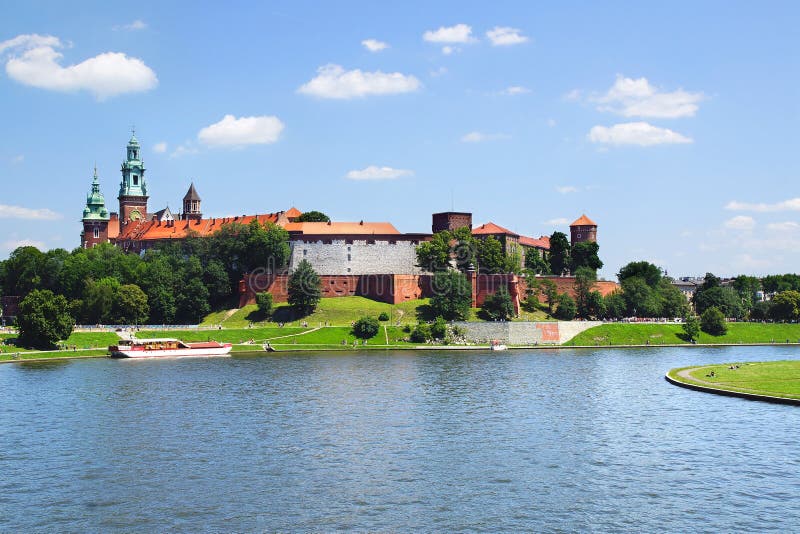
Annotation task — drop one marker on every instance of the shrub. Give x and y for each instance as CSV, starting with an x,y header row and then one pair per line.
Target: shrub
x,y
691,326
439,329
305,288
452,295
712,321
366,328
421,333
383,316
264,303
566,308
498,307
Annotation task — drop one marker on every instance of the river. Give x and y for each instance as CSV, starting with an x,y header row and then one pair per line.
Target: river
x,y
543,440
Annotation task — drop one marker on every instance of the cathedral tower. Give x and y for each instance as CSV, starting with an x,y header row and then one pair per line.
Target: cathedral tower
x,y
191,205
133,189
95,217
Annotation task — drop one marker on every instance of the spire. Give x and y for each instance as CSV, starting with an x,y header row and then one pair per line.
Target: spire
x,y
95,209
191,194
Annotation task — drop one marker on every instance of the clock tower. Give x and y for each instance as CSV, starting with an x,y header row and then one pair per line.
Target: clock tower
x,y
133,188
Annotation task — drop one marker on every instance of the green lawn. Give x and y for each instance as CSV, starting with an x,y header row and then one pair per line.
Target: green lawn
x,y
340,311
33,355
81,340
778,379
233,335
659,334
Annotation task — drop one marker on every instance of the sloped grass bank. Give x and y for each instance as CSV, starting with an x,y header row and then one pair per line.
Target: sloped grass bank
x,y
773,379
672,334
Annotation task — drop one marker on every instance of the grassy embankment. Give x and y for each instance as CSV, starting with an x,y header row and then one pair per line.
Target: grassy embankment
x,y
85,343
775,379
341,311
672,334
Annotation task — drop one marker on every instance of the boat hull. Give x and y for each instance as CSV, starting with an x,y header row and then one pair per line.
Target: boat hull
x,y
204,352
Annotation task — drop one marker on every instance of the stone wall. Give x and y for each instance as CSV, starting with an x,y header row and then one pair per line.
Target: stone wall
x,y
342,257
525,333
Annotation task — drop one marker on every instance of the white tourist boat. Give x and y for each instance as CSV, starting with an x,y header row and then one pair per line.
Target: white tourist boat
x,y
167,348
496,345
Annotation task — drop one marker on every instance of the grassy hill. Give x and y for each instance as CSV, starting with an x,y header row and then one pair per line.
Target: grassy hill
x,y
663,334
777,379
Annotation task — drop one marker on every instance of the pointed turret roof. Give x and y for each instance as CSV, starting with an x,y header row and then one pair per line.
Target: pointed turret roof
x,y
584,221
191,194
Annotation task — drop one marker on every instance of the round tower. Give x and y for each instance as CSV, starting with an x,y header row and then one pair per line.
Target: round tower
x,y
583,230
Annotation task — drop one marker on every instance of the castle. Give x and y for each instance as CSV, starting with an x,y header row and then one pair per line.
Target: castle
x,y
334,249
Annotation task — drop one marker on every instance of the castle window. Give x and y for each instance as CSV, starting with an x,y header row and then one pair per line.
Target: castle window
x,y
348,269
305,252
392,242
97,233
135,180
349,242
370,242
348,257
579,236
348,249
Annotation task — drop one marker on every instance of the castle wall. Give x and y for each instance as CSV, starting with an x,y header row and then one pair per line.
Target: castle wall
x,y
356,257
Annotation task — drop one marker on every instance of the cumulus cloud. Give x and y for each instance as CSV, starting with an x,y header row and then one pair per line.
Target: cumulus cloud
x,y
374,45
460,33
160,148
565,189
557,221
793,204
373,172
505,36
184,149
636,133
136,25
230,131
33,60
18,212
740,222
631,97
332,81
478,137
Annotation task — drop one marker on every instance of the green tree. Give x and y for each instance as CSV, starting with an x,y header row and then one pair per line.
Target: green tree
x,y
499,306
595,305
23,271
99,299
761,311
650,273
217,281
585,254
130,306
491,258
614,305
536,262
313,216
421,333
691,326
640,299
566,308
549,289
673,303
785,306
712,321
305,289
44,319
366,328
726,299
192,302
434,255
264,303
266,246
559,253
452,296
585,280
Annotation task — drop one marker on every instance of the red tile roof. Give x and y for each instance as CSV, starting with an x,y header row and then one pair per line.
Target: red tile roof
x,y
542,242
584,221
491,228
155,230
341,228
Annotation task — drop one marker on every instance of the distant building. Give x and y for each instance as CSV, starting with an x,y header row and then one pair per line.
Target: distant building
x,y
583,230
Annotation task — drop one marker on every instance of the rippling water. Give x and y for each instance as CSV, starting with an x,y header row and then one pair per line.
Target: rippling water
x,y
592,440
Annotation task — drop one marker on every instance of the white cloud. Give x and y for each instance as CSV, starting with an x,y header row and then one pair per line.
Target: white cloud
x,y
13,244
447,50
564,189
740,222
332,81
551,122
184,149
441,71
136,25
557,221
573,95
638,98
793,204
230,131
34,61
505,36
160,148
460,33
636,133
18,212
478,137
787,226
374,172
374,45
515,90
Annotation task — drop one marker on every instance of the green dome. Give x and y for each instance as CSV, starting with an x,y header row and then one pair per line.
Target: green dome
x,y
95,209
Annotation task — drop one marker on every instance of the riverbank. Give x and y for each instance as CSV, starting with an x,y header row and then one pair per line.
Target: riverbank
x,y
777,381
669,334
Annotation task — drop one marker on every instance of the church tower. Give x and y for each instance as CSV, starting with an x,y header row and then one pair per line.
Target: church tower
x,y
95,217
191,205
133,189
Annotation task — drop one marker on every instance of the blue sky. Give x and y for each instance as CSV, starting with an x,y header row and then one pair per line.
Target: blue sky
x,y
673,126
